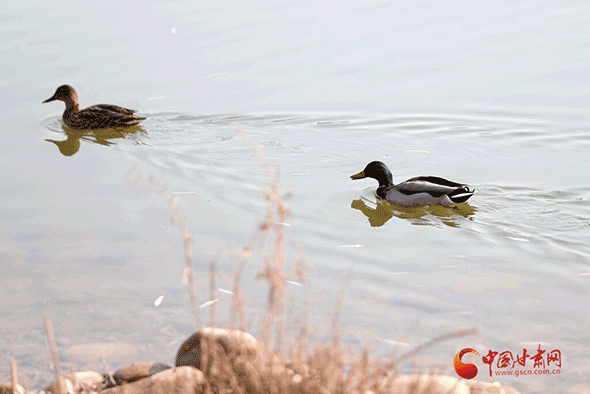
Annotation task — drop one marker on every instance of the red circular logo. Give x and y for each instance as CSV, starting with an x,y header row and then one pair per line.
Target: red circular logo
x,y
467,371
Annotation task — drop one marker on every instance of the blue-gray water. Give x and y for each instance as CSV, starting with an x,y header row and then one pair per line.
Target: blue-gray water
x,y
487,94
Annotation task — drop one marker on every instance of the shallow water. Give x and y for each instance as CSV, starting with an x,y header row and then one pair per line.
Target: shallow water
x,y
491,96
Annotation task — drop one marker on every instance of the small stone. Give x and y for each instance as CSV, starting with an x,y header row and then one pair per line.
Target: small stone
x,y
79,382
232,342
179,380
135,372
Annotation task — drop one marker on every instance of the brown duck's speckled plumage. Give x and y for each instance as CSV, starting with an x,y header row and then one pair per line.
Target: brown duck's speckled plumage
x,y
99,116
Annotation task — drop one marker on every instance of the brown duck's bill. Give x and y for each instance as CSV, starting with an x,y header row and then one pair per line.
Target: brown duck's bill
x,y
52,98
360,175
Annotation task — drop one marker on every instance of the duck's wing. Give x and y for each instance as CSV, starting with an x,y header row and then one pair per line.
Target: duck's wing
x,y
433,185
101,116
115,108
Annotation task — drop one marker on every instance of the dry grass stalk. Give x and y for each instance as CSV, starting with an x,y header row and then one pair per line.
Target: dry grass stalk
x,y
336,316
61,388
302,341
279,263
434,341
212,292
178,218
238,300
13,376
274,273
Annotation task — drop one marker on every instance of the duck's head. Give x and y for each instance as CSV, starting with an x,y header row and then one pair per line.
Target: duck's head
x,y
376,170
64,93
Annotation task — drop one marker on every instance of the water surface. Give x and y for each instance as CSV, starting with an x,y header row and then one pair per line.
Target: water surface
x,y
490,95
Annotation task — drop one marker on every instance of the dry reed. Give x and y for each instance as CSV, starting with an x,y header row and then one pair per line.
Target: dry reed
x,y
434,341
336,315
237,307
273,273
13,376
60,384
212,292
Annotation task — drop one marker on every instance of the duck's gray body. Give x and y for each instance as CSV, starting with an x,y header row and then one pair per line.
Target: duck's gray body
x,y
418,191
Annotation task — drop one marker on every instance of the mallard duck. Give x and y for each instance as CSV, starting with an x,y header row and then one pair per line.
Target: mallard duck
x,y
421,190
99,116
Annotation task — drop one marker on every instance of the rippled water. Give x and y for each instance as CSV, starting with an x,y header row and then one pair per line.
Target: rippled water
x,y
514,260
492,96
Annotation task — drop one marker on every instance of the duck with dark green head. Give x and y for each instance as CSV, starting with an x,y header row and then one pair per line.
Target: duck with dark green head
x,y
418,191
99,116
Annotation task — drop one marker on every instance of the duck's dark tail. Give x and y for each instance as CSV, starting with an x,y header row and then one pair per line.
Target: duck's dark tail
x,y
132,120
461,194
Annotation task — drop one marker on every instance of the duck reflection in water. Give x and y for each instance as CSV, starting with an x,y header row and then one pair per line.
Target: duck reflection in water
x,y
71,144
380,211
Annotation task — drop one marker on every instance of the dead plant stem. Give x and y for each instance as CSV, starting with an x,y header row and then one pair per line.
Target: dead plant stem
x,y
61,389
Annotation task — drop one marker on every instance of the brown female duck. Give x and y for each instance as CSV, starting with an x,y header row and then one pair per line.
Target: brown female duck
x,y
99,116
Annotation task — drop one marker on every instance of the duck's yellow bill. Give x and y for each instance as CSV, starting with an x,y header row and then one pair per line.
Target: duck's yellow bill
x,y
360,175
